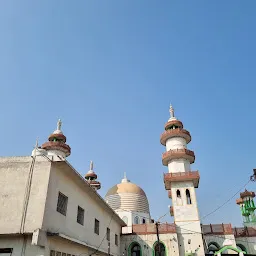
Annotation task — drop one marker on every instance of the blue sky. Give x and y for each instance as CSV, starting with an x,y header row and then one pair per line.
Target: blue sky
x,y
109,70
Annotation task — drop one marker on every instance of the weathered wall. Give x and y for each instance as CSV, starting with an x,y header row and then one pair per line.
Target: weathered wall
x,y
248,242
14,175
63,180
148,242
21,243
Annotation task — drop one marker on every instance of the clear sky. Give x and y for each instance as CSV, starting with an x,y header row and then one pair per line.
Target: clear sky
x,y
110,69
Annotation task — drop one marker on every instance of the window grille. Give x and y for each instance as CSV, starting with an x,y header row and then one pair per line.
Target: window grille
x,y
96,227
62,204
80,215
108,234
116,239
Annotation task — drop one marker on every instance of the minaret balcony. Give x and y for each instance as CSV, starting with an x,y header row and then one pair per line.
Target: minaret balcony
x,y
171,123
57,145
239,201
94,183
171,211
247,194
170,194
171,133
193,176
178,154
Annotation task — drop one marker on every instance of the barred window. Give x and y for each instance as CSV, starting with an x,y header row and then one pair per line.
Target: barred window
x,y
80,215
58,253
62,204
116,239
108,234
52,253
96,227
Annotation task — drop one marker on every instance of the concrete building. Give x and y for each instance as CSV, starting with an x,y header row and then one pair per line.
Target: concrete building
x,y
49,209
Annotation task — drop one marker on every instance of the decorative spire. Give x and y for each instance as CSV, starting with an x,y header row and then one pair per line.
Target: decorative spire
x,y
36,146
59,123
125,178
91,166
171,110
56,144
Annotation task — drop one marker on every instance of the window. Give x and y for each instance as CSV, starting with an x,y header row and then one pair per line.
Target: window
x,y
135,250
6,250
116,239
159,249
136,220
62,204
96,227
64,254
178,193
108,234
188,197
80,215
58,253
143,221
52,253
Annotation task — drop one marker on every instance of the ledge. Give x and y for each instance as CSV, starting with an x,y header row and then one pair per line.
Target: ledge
x,y
181,176
217,229
171,133
57,145
150,228
178,154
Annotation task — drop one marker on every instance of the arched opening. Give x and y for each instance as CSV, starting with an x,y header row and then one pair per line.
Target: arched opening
x,y
159,249
179,200
213,247
188,197
136,220
135,249
143,221
125,219
178,193
241,247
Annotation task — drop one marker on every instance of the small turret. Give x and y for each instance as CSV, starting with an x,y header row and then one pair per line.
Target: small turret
x,y
56,144
38,151
247,207
91,178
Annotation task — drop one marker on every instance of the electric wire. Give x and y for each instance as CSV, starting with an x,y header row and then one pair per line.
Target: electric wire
x,y
193,232
104,235
220,206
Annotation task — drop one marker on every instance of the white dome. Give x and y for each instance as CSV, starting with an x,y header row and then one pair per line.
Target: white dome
x,y
127,196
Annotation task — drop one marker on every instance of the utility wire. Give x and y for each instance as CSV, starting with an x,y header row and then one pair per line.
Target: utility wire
x,y
104,235
220,206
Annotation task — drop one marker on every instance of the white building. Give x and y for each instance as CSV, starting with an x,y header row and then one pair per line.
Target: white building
x,y
49,209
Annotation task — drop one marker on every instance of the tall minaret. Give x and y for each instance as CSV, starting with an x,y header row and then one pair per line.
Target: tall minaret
x,y
91,178
56,144
248,208
181,182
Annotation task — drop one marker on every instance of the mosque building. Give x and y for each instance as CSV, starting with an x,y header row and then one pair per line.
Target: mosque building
x,y
49,209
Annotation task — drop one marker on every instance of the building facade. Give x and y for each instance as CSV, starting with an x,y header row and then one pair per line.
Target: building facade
x,y
49,209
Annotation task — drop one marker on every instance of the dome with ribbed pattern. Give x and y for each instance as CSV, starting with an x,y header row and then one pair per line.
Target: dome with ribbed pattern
x,y
127,196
